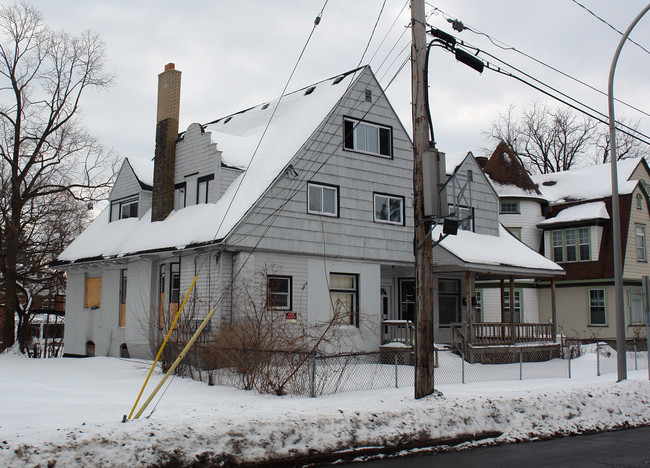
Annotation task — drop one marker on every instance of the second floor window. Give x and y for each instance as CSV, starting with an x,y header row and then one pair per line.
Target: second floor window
x,y
509,207
368,138
322,199
202,188
179,195
389,209
571,245
640,243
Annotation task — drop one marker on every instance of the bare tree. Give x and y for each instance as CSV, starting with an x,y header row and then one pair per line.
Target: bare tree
x,y
44,150
545,139
626,145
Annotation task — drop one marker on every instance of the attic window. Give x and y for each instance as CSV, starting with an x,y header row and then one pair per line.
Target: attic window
x,y
310,90
338,79
368,95
265,106
549,183
228,119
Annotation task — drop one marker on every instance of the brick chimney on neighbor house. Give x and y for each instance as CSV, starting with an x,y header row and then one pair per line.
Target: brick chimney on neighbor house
x,y
169,102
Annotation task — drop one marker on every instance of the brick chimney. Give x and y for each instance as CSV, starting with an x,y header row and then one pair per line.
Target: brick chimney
x,y
169,102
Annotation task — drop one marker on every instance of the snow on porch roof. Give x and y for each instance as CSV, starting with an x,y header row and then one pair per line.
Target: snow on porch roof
x,y
239,137
502,254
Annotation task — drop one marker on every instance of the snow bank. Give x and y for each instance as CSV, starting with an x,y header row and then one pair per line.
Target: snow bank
x,y
68,411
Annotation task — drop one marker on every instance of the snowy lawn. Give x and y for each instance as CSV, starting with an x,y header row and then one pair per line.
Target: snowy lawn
x,y
69,411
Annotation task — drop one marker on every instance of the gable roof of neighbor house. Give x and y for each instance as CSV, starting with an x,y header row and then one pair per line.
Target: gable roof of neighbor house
x,y
508,175
249,140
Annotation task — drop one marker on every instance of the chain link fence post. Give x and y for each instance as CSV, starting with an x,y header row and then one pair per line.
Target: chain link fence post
x,y
462,367
396,372
313,375
598,359
521,364
636,364
570,362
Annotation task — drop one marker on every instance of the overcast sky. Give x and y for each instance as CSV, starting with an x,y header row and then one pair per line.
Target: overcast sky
x,y
238,53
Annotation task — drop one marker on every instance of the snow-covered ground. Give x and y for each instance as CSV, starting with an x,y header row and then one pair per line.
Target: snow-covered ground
x,y
69,411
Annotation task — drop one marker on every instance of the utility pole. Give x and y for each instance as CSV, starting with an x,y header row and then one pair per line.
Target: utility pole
x,y
424,357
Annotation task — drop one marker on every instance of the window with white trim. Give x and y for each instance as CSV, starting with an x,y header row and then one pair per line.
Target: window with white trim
x,y
179,195
640,243
368,137
388,209
509,207
635,305
279,292
344,298
597,308
202,187
124,209
322,199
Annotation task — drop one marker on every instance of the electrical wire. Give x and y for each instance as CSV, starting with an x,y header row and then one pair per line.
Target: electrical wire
x,y
502,45
603,116
608,24
645,139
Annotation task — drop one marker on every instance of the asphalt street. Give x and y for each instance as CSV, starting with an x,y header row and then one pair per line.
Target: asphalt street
x,y
623,448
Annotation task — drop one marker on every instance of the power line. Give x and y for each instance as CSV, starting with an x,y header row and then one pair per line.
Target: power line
x,y
603,117
608,24
600,117
459,25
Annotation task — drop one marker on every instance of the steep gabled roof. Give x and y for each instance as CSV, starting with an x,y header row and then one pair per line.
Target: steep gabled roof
x,y
508,175
247,141
143,170
587,183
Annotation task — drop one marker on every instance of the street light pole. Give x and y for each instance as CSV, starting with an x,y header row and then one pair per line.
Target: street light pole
x,y
621,349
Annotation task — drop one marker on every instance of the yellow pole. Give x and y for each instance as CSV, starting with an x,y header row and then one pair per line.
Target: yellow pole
x,y
176,362
162,346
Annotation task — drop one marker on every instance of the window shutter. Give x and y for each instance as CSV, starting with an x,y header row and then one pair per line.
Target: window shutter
x,y
384,141
349,134
93,292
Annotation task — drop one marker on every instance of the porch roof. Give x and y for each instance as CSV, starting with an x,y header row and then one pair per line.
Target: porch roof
x,y
502,255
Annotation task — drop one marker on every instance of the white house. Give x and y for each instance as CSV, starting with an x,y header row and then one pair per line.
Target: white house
x,y
308,197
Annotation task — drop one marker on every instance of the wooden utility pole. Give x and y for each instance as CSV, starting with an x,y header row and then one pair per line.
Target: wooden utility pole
x,y
424,359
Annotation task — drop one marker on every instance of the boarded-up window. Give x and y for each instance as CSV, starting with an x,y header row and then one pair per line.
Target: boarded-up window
x,y
93,292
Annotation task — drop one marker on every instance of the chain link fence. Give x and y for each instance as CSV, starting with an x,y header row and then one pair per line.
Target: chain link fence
x,y
606,358
313,374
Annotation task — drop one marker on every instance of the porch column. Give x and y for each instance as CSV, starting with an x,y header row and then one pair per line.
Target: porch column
x,y
470,307
553,310
512,308
503,301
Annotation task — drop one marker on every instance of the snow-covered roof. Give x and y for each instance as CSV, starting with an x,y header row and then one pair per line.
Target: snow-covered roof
x,y
504,252
513,191
247,141
587,183
143,170
583,212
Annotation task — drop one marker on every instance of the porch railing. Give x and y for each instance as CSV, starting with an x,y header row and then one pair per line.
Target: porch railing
x,y
485,334
398,331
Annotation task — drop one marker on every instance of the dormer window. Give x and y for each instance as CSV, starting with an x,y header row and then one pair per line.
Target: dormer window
x,y
202,188
179,195
123,209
